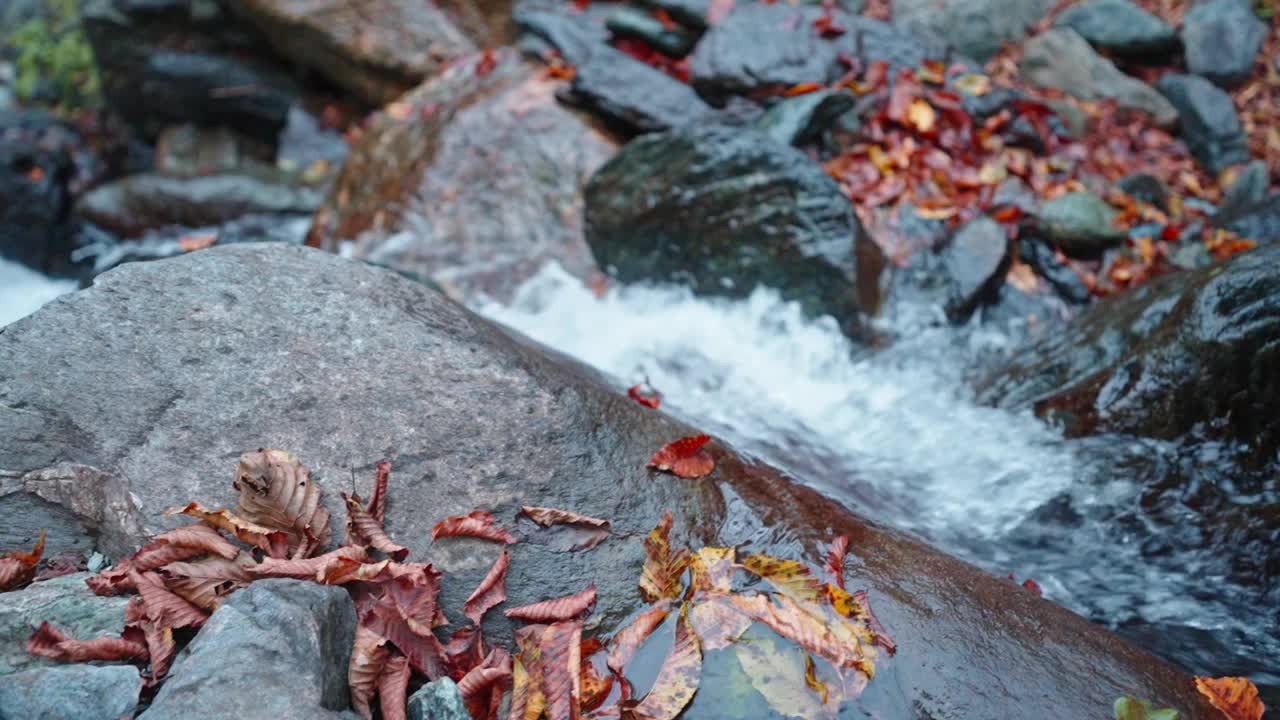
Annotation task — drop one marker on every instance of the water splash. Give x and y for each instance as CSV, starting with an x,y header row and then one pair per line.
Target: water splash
x,y
23,291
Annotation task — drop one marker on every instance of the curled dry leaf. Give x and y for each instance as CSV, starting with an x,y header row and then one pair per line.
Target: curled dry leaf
x,y
1236,697
678,679
369,655
491,591
560,653
363,529
158,639
789,577
49,642
464,651
273,541
164,607
378,499
685,458
277,491
546,517
309,568
881,636
572,531
567,607
112,581
393,688
628,641
474,524
835,560
197,536
496,668
204,583
18,568
404,613
663,567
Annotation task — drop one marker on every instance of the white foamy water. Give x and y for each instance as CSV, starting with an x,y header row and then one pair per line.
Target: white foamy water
x,y
23,291
892,433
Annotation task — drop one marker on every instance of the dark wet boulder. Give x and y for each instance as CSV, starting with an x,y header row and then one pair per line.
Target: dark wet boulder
x,y
1196,350
1221,39
1081,224
83,692
345,365
803,119
375,49
632,22
65,601
1061,59
291,636
763,49
474,181
1258,221
1207,121
975,260
36,172
977,28
1120,27
1042,258
634,96
169,63
131,206
726,210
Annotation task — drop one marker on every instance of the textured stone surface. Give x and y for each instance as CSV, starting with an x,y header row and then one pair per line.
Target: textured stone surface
x,y
977,28
1119,26
1061,59
1221,40
277,650
633,95
163,372
64,601
975,260
1207,121
67,692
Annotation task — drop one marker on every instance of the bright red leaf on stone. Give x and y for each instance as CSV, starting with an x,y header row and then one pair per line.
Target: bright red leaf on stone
x,y
488,62
684,458
474,524
491,591
567,607
645,394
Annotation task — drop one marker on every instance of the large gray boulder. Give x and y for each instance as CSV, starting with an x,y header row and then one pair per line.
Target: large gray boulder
x,y
162,373
82,692
277,650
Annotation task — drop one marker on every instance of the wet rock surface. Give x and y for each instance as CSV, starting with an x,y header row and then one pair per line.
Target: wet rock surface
x,y
1207,121
376,49
64,601
36,172
1041,257
634,96
977,28
1062,59
84,692
1258,221
803,119
474,185
975,259
276,650
1183,353
1119,26
1080,223
725,210
1221,39
495,423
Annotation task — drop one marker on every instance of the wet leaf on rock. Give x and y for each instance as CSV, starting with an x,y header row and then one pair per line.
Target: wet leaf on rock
x,y
491,591
1236,697
782,676
567,607
677,681
570,531
789,577
474,524
404,613
628,641
313,567
685,458
835,560
663,567
1131,708
276,491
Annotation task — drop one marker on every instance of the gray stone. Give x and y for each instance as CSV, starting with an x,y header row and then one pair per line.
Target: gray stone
x,y
67,603
977,28
1207,120
1080,223
975,260
1119,26
277,650
1221,39
1258,221
802,119
1065,281
438,700
633,22
1061,59
71,692
634,95
168,370
1249,188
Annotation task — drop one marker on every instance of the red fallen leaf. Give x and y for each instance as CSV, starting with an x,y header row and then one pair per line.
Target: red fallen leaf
x,y
581,6
557,609
164,607
205,582
595,686
496,668
369,656
684,458
835,559
491,591
628,641
1007,214
309,568
827,26
278,492
49,642
474,524
112,581
663,568
191,243
905,89
488,62
678,679
393,688
35,174
273,541
161,648
378,498
363,529
1033,586
560,650
1236,697
1170,233
18,568
650,398
404,613
803,88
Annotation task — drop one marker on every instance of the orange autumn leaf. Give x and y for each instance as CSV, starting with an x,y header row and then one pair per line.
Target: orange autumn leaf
x,y
663,567
1236,697
711,569
191,243
803,88
789,577
684,458
645,394
18,568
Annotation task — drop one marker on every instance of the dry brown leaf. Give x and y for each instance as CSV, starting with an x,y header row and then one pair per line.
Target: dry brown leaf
x,y
393,688
663,568
570,531
789,577
567,607
404,613
272,541
204,583
522,692
628,641
278,492
474,524
495,668
560,654
546,517
684,458
491,591
164,607
311,568
18,568
678,679
197,536
112,581
1236,697
158,639
835,560
363,529
378,498
369,656
49,642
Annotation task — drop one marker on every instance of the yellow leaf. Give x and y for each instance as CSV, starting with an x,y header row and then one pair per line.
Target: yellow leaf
x,y
880,159
711,569
922,116
663,568
677,680
790,577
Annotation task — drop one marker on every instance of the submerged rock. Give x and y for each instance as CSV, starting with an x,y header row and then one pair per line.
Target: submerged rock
x,y
67,603
977,28
1080,223
1119,26
1207,120
344,364
1191,351
276,650
376,49
726,210
1061,59
1221,40
83,692
474,182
